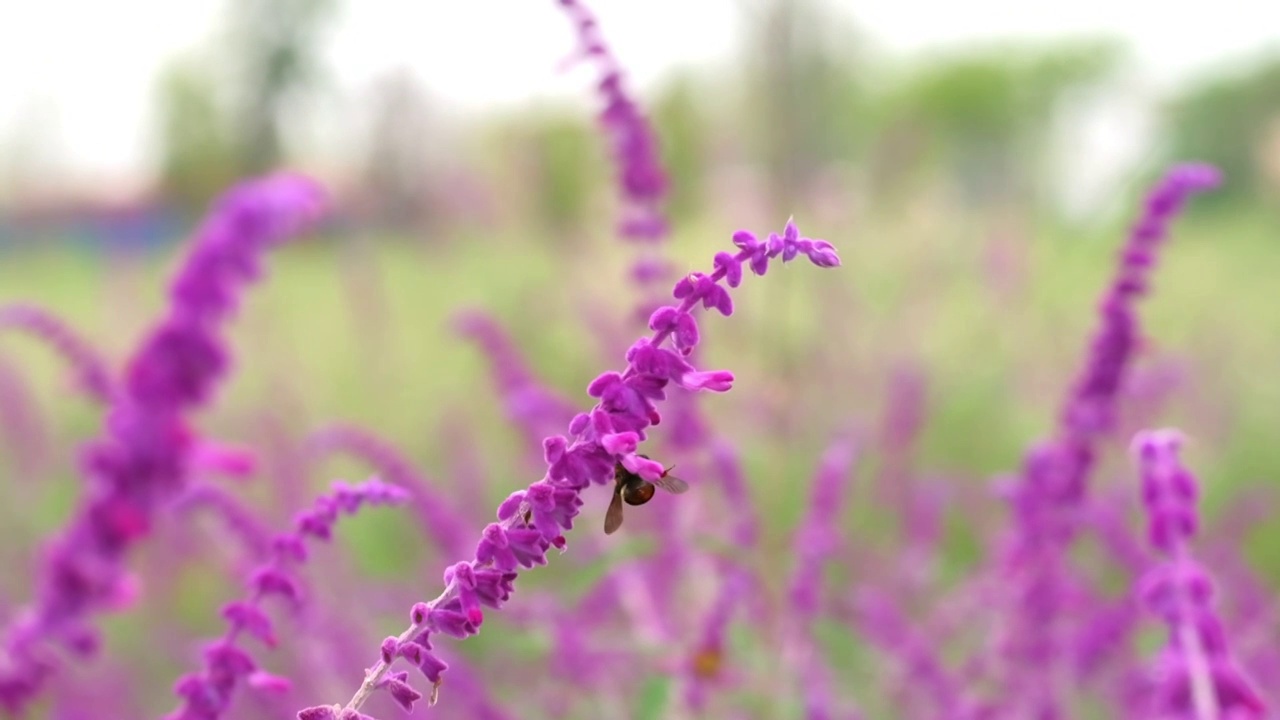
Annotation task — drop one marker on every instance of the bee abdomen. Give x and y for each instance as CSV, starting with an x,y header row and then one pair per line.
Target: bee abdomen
x,y
638,494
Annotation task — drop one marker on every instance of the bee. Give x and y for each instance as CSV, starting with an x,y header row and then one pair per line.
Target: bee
x,y
635,490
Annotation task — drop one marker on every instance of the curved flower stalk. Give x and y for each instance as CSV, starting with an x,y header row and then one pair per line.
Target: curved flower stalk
x,y
90,370
744,531
925,681
207,695
903,418
463,463
818,538
141,460
819,534
25,438
539,411
642,181
1047,498
1196,676
534,407
437,516
642,188
641,176
239,520
531,521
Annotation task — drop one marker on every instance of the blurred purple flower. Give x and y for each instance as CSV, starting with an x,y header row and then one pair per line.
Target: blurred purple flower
x,y
903,419
25,436
141,461
642,181
1196,676
641,177
437,515
817,539
820,530
91,373
925,681
533,520
1055,472
536,409
238,519
207,695
745,530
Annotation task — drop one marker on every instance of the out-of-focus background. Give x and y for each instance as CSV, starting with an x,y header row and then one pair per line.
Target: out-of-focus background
x,y
976,164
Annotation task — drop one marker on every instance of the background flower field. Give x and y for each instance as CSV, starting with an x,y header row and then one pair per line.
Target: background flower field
x,y
443,337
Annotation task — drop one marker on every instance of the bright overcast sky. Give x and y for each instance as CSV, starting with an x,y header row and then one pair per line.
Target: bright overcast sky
x,y
90,63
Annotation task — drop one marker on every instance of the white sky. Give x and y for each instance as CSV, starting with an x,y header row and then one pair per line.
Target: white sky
x,y
84,68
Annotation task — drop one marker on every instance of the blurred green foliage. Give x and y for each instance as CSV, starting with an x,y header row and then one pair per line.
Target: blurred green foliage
x,y
1225,119
986,115
275,56
223,111
567,174
197,151
681,120
807,93
802,97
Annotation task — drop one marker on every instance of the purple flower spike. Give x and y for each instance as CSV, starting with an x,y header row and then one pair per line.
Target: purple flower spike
x,y
535,408
91,373
452,622
239,520
142,460
642,181
1196,675
883,623
437,515
208,695
1091,409
1054,480
531,521
819,533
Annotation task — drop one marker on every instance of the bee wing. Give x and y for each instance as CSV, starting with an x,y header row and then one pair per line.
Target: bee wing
x,y
671,484
613,517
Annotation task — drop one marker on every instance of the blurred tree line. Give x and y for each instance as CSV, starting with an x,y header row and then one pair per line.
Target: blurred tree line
x,y
807,93
1232,119
224,117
